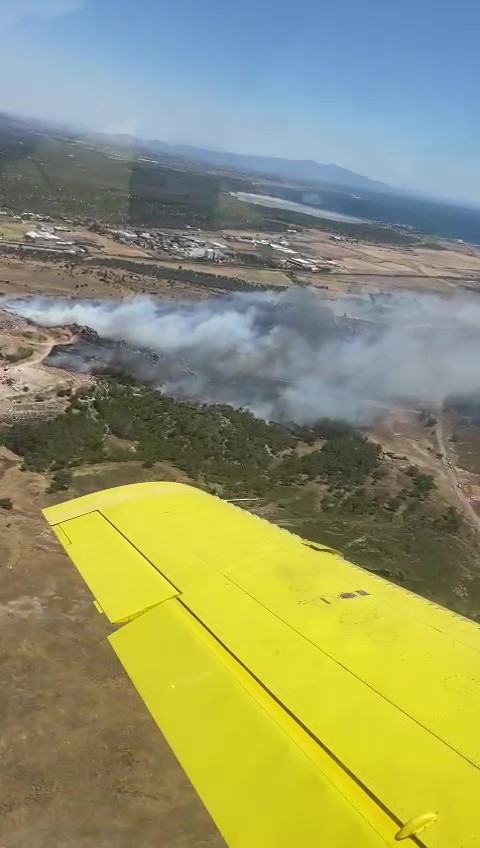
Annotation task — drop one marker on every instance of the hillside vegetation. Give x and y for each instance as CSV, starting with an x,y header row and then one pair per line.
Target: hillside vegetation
x,y
329,482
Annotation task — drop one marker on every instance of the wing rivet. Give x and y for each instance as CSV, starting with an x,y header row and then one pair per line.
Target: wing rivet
x,y
416,825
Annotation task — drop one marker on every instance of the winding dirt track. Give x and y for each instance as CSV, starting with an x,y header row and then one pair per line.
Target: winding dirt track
x,y
450,471
22,382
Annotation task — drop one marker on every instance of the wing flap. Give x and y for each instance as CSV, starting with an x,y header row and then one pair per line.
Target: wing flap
x,y
266,783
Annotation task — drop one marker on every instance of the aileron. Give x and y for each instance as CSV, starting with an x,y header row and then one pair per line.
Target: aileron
x,y
123,582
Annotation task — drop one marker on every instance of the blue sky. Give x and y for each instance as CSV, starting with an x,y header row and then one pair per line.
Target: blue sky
x,y
388,89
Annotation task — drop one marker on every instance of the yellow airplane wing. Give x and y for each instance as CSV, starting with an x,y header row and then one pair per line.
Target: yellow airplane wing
x,y
310,702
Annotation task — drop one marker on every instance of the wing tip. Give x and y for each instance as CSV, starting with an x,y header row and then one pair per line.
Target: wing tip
x,y
76,507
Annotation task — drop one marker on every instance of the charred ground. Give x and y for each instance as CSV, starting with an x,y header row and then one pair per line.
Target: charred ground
x,y
82,762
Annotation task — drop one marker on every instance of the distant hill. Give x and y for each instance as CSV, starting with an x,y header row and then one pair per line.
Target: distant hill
x,y
296,170
290,169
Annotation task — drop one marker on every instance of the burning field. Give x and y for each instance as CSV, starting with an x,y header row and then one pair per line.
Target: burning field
x,y
388,501
289,356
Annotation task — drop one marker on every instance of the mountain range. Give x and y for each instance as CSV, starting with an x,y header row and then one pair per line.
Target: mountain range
x,y
299,170
295,170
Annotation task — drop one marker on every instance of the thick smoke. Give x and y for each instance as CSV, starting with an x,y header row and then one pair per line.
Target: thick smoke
x,y
293,355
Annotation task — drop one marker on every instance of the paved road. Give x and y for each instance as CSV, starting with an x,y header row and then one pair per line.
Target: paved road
x,y
450,471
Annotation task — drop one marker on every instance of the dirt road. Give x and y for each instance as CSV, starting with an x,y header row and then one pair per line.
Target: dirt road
x,y
28,387
450,471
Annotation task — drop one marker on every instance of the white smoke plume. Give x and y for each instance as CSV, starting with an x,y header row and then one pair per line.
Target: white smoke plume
x,y
293,355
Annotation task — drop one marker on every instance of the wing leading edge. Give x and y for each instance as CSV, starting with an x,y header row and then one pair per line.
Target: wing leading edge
x,y
309,701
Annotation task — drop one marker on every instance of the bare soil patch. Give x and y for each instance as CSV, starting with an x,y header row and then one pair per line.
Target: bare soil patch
x,y
82,764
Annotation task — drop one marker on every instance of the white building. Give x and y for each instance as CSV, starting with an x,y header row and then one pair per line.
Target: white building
x,y
44,235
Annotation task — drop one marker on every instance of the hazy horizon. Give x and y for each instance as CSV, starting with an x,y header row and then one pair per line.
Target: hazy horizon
x,y
385,92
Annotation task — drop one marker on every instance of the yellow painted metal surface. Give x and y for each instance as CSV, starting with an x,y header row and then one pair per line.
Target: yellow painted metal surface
x,y
377,687
264,789
415,826
123,582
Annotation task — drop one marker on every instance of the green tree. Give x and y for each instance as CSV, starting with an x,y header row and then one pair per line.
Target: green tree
x,y
61,480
